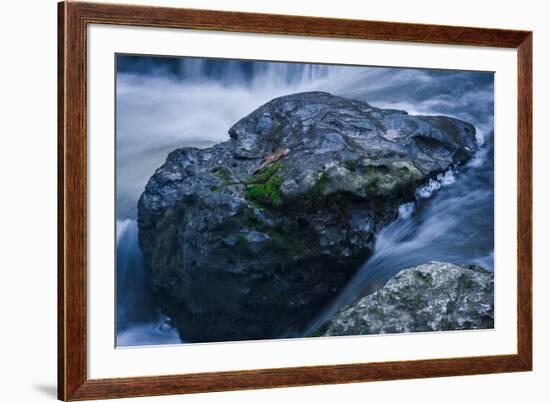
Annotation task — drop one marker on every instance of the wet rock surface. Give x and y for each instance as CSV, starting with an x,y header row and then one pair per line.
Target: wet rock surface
x,y
250,238
436,296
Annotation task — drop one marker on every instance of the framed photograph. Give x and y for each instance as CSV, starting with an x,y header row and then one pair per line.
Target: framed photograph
x,y
253,201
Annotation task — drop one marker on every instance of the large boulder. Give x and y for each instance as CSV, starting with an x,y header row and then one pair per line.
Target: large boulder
x,y
249,239
437,296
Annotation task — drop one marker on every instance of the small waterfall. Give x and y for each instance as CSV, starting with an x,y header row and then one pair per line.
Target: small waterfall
x,y
223,71
238,72
138,319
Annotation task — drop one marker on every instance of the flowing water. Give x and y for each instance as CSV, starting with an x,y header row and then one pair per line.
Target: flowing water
x,y
166,103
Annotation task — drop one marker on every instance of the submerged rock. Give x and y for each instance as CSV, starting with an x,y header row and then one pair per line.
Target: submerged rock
x,y
436,296
251,237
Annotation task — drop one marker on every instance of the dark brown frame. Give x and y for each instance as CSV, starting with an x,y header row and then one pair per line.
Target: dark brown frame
x,y
73,383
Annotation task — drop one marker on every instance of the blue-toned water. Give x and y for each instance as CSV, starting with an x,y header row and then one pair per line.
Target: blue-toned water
x,y
139,320
167,103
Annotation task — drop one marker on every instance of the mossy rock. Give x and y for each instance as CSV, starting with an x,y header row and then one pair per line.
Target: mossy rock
x,y
234,255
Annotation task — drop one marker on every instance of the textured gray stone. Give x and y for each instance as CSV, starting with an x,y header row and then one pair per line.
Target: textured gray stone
x,y
432,297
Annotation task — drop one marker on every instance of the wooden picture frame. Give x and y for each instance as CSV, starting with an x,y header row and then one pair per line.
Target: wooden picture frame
x,y
73,382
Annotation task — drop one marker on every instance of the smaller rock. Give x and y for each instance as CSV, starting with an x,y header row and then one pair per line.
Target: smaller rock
x,y
437,296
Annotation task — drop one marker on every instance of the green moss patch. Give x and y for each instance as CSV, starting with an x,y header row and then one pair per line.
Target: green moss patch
x,y
351,165
289,238
320,186
316,196
265,186
295,244
381,182
224,176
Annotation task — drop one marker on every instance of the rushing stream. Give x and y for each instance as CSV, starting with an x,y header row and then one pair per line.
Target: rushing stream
x,y
166,103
